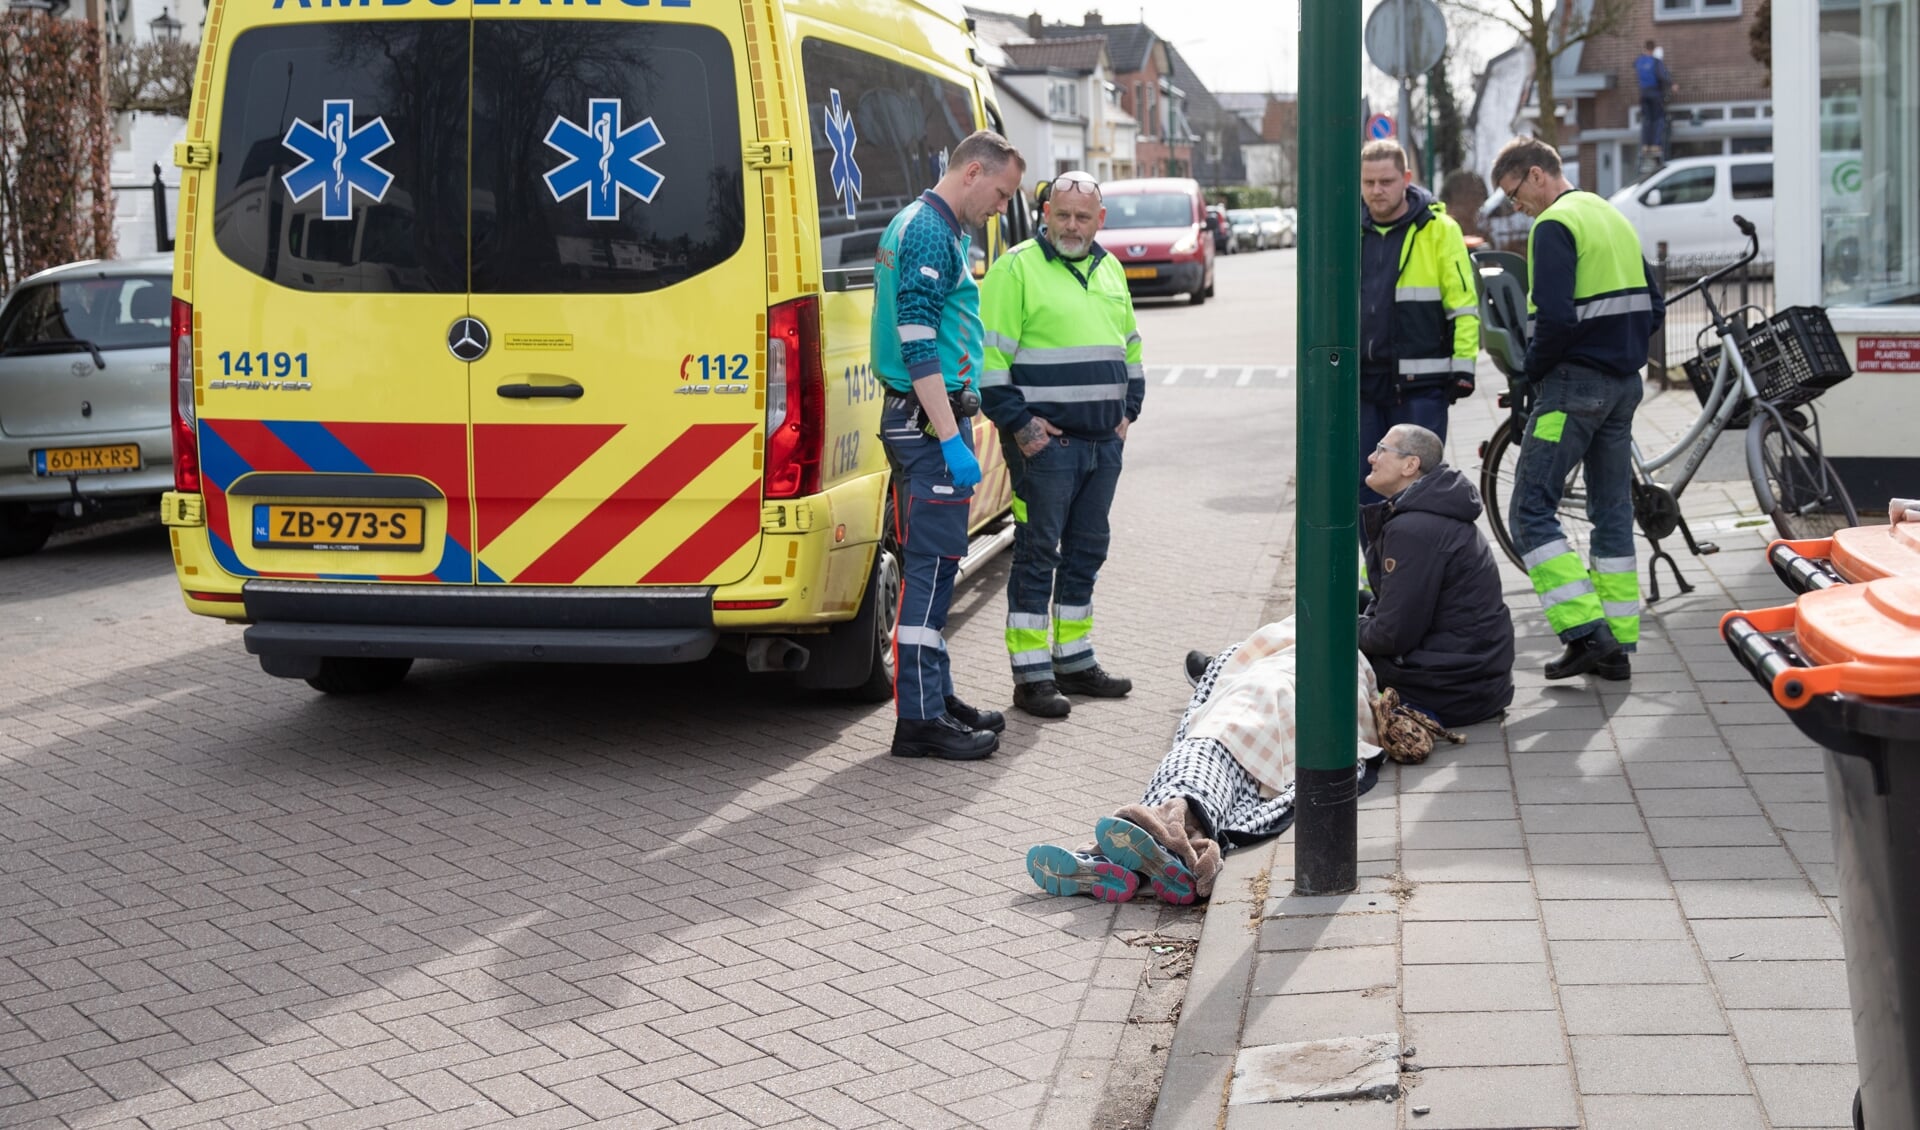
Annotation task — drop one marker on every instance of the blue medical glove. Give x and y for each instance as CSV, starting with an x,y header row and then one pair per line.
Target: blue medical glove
x,y
961,464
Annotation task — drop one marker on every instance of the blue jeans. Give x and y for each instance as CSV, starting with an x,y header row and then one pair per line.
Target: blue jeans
x,y
1058,547
1581,418
1653,121
1427,408
930,515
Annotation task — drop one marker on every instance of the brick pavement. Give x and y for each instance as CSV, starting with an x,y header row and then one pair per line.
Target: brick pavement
x,y
1615,909
553,897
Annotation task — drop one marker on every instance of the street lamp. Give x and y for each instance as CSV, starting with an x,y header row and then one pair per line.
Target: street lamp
x,y
165,27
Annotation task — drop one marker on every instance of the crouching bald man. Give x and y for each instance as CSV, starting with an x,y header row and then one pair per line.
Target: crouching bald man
x,y
1437,630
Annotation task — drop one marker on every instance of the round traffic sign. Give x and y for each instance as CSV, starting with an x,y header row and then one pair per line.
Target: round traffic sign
x,y
1405,38
1379,127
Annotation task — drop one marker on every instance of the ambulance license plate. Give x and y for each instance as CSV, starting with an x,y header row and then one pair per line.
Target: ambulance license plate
x,y
111,459
1142,273
280,526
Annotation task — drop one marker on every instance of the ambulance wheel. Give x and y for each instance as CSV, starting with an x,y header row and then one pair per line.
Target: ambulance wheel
x,y
23,531
879,613
343,674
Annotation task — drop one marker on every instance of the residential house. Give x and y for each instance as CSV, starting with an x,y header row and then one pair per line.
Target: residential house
x,y
1143,71
1218,132
1274,153
1724,104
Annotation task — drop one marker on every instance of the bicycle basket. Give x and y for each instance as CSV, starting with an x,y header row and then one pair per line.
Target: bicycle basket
x,y
1793,356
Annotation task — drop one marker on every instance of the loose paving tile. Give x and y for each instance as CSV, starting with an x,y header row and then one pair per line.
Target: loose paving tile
x,y
1343,1068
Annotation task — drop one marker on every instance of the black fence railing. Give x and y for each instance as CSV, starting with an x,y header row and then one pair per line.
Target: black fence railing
x,y
1679,339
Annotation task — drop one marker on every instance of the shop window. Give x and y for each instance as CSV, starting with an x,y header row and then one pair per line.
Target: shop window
x,y
1870,152
1694,9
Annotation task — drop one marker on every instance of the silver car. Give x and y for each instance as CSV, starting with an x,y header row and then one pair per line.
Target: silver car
x,y
84,388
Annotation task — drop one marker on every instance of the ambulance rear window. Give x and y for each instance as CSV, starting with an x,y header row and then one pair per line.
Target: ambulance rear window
x,y
606,156
342,156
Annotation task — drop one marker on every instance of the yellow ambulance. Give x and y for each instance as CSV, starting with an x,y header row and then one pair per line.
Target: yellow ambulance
x,y
539,330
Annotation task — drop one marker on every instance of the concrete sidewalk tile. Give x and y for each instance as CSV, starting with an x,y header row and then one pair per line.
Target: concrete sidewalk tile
x,y
1626,963
1494,1098
1786,788
1470,902
1743,713
1809,816
1475,988
1807,1094
1570,708
1658,1112
1313,1116
1291,973
1769,939
1790,760
1462,834
1781,984
1613,920
1642,751
1591,847
1331,931
1769,736
1424,807
1486,1039
1318,1016
1562,741
1810,847
1696,802
1576,818
1665,726
1471,943
1710,831
1658,1065
1465,865
1800,1035
1685,864
1193,1091
1216,989
1601,881
1641,1010
1573,790
1748,898
1572,763
1432,778
1371,897
1716,774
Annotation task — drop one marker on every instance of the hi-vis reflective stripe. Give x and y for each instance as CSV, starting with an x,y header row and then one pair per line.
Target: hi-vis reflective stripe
x,y
1462,311
918,333
1136,372
920,637
1426,365
1544,553
994,339
993,378
689,509
1615,304
1074,394
1073,611
1028,620
1416,294
1071,354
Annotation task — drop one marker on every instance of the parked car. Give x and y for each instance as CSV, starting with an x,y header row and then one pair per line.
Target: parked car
x,y
1156,227
1246,230
1291,218
1276,226
1222,229
1689,205
84,395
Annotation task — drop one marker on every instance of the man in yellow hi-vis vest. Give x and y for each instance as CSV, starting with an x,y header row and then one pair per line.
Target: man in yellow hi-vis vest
x,y
1595,305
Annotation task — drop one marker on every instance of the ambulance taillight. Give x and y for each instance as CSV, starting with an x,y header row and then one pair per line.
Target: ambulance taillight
x,y
186,450
796,399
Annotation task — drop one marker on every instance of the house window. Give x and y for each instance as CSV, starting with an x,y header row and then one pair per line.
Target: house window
x,y
1870,152
1694,9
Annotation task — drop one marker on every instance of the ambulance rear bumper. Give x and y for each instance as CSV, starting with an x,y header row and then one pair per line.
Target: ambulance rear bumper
x,y
294,650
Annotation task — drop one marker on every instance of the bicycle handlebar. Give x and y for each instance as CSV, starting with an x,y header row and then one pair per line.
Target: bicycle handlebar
x,y
1753,249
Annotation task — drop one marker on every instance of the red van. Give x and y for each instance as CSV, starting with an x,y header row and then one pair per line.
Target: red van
x,y
1157,228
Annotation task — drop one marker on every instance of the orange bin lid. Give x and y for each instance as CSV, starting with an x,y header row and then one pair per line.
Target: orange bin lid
x,y
1867,553
1863,639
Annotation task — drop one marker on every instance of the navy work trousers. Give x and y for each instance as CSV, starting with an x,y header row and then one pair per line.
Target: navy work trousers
x,y
930,515
1062,495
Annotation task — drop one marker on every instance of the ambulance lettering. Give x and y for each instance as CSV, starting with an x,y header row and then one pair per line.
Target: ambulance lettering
x,y
603,159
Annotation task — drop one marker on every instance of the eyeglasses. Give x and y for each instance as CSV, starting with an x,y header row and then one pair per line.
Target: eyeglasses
x,y
1076,182
1379,447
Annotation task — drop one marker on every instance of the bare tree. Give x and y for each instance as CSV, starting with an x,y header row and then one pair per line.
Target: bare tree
x,y
155,78
1549,33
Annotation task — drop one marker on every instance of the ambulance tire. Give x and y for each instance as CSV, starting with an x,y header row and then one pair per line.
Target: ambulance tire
x,y
23,531
857,659
359,674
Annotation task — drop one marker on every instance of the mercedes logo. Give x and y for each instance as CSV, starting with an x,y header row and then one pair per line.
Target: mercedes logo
x,y
468,338
1137,250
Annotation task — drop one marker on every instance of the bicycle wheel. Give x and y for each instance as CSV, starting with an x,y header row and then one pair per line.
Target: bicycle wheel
x,y
1498,459
1794,483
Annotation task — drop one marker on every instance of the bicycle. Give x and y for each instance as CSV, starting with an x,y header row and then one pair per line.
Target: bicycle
x,y
1795,357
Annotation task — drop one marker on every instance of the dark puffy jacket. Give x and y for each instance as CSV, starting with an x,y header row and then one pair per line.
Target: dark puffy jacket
x,y
1438,629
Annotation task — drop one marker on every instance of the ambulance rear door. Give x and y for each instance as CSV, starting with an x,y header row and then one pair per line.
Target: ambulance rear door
x,y
619,297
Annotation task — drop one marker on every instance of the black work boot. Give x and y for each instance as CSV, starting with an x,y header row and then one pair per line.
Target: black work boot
x,y
1617,670
1587,654
1042,699
944,737
991,721
1197,663
1093,682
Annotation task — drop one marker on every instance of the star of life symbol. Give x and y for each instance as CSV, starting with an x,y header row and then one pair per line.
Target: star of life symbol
x,y
339,159
603,159
844,172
